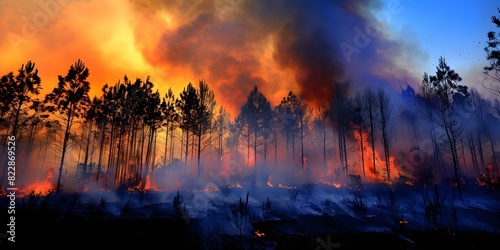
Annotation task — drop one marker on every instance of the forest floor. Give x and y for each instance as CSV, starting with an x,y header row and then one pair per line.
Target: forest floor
x,y
318,216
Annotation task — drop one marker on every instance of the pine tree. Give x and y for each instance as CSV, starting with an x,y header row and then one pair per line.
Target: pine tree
x,y
70,99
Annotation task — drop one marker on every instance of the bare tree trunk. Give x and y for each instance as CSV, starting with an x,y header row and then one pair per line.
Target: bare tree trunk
x,y
480,150
362,148
101,152
275,148
110,154
65,144
472,149
86,159
118,179
199,153
187,147
171,145
302,143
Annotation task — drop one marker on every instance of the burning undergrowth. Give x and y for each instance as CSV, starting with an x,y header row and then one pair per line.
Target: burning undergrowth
x,y
243,213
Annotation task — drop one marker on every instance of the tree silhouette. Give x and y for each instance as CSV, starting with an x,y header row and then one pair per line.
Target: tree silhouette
x,y
7,87
221,128
492,71
109,115
340,114
320,126
254,114
359,121
97,116
384,110
70,99
89,117
479,106
188,104
27,84
369,103
171,121
153,120
285,120
297,111
443,88
204,118
19,107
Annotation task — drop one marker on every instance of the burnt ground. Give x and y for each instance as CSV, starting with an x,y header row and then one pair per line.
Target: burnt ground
x,y
337,220
171,234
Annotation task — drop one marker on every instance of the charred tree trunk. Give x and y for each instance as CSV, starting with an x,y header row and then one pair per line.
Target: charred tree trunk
x,y
171,145
101,152
86,158
493,154
275,148
118,180
472,149
111,153
302,142
199,152
362,148
65,144
186,149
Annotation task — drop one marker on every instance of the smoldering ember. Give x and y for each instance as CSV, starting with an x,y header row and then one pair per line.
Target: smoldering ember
x,y
276,132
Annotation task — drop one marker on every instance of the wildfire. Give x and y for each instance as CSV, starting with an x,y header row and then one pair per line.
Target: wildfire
x,y
269,182
378,173
237,185
149,185
259,234
335,184
41,187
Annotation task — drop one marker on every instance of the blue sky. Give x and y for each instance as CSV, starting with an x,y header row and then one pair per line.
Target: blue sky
x,y
455,30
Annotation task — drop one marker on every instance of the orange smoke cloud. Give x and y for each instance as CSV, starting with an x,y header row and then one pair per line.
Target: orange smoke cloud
x,y
54,34
280,46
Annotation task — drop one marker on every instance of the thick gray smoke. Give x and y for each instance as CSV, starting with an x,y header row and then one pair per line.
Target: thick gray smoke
x,y
320,42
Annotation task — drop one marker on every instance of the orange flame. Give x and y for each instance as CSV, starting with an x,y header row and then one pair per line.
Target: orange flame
x,y
149,185
259,234
269,182
335,184
379,173
41,187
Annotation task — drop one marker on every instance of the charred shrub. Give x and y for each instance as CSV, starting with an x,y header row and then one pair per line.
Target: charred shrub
x,y
440,213
179,208
239,216
266,209
357,204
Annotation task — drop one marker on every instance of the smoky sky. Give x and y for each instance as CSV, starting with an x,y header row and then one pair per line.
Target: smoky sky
x,y
317,43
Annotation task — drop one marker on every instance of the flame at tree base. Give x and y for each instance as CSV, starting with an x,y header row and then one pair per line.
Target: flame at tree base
x,y
148,185
378,173
41,188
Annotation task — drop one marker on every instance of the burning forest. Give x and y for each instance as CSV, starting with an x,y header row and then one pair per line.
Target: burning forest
x,y
286,141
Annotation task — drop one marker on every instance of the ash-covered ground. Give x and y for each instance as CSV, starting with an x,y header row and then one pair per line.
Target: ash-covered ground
x,y
319,215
